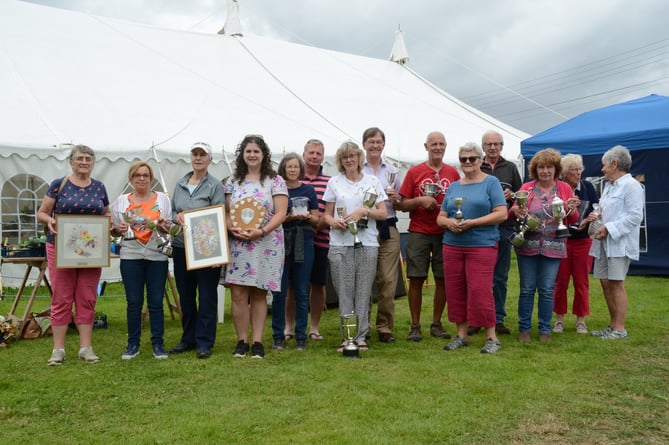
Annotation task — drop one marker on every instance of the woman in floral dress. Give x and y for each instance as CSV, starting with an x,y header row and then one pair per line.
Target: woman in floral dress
x,y
256,254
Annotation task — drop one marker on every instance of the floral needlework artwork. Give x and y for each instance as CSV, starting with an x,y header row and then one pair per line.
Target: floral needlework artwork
x,y
206,237
82,241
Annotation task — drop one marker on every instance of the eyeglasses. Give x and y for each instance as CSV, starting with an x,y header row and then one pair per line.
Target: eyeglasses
x,y
84,159
141,175
470,159
493,144
347,157
575,170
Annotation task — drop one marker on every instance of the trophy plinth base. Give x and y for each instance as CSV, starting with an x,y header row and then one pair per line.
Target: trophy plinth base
x,y
363,223
562,233
351,353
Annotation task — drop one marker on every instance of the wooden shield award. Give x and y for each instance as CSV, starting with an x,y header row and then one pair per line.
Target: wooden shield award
x,y
247,213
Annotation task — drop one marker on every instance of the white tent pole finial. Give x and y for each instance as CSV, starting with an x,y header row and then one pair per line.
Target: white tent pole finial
x,y
399,53
232,26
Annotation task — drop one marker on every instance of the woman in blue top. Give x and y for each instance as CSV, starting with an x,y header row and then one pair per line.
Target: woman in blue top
x,y
298,230
470,248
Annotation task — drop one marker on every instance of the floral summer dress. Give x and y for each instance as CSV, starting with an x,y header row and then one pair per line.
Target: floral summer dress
x,y
257,263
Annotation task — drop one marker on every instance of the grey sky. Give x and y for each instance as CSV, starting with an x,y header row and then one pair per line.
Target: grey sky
x,y
569,56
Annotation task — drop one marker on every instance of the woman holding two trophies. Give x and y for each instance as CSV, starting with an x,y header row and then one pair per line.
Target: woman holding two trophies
x,y
353,253
540,253
143,264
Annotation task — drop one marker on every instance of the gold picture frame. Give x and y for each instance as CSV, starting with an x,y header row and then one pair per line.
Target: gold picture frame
x,y
82,241
206,237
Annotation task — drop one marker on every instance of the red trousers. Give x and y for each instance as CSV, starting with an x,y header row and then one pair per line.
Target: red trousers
x,y
577,265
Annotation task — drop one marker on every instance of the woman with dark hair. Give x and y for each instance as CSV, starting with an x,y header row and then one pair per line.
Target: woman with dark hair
x,y
143,264
256,254
298,230
540,254
76,194
353,267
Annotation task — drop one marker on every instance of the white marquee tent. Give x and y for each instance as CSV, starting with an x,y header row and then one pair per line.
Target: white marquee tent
x,y
132,91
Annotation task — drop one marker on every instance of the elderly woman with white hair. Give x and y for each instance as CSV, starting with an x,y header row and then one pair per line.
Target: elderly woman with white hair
x,y
616,241
578,263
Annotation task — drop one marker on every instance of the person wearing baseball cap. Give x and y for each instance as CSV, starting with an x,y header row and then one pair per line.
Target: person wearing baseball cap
x,y
198,289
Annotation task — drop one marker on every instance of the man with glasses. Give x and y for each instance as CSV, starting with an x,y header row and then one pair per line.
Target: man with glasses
x,y
507,173
373,142
421,194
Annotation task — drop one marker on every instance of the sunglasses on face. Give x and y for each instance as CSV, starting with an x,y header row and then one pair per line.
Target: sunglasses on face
x,y
470,159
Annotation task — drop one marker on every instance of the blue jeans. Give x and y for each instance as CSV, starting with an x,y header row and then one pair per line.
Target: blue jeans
x,y
297,276
537,273
136,275
501,274
198,321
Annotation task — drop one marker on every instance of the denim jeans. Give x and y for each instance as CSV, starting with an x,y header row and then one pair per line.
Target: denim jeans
x,y
297,276
136,275
501,274
197,286
537,273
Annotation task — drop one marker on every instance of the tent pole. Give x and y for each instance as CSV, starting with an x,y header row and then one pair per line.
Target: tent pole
x,y
160,171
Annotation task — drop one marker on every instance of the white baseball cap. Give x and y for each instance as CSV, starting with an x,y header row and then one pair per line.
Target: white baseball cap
x,y
203,146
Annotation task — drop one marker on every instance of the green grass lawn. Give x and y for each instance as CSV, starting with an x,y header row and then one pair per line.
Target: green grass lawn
x,y
577,389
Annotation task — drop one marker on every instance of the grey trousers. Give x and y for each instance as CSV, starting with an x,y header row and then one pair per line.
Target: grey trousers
x,y
353,272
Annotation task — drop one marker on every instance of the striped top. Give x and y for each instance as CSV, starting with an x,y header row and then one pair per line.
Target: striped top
x,y
320,182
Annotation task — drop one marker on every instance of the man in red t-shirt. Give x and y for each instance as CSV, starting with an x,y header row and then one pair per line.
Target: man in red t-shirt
x,y
421,194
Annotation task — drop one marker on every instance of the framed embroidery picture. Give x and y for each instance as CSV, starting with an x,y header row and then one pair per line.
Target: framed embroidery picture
x,y
206,237
82,241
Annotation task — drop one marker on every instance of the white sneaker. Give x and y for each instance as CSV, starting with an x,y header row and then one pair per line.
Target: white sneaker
x,y
88,355
581,328
57,357
558,327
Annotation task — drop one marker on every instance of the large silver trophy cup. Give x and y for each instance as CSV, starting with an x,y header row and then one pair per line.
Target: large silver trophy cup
x,y
353,228
525,225
349,331
556,210
368,201
430,189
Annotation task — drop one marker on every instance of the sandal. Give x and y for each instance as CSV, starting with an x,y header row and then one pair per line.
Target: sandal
x,y
363,346
315,336
341,347
288,337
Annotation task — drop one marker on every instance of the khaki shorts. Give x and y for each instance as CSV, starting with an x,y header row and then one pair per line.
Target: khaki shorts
x,y
610,268
422,250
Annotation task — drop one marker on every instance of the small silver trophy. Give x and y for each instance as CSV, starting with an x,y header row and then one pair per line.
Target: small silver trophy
x,y
430,189
390,177
525,225
353,228
368,201
341,211
529,224
349,331
556,210
459,216
164,243
129,233
597,223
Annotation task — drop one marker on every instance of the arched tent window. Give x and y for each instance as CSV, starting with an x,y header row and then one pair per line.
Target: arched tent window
x,y
21,197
